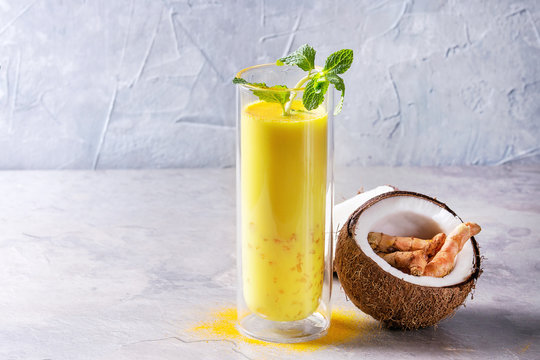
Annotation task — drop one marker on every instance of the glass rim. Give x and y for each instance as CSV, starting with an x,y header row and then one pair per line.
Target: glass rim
x,y
254,87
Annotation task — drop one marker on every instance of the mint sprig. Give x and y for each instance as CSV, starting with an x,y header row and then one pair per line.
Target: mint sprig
x,y
317,81
336,63
317,84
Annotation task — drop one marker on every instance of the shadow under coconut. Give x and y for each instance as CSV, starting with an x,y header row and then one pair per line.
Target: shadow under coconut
x,y
470,333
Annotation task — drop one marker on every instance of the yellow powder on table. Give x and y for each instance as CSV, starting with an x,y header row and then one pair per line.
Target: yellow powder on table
x,y
345,327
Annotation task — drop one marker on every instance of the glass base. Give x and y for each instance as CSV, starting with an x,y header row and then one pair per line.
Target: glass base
x,y
310,328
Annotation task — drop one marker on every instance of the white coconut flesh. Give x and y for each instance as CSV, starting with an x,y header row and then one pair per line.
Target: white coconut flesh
x,y
413,216
343,210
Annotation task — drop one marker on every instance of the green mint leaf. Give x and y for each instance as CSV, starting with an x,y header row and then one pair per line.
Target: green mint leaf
x,y
337,81
338,62
304,58
238,80
340,86
314,93
320,83
244,82
277,96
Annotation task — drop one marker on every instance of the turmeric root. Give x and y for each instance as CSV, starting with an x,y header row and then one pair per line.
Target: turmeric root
x,y
435,245
443,262
387,243
410,262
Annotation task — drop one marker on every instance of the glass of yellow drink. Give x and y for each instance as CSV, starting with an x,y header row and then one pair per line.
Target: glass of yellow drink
x,y
284,203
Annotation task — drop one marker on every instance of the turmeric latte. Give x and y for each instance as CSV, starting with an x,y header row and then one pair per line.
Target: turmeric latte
x,y
283,180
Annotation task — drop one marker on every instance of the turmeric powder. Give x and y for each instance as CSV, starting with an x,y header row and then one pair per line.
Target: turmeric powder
x,y
443,262
347,325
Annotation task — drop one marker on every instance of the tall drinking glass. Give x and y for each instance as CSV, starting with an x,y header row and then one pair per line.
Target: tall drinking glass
x,y
284,209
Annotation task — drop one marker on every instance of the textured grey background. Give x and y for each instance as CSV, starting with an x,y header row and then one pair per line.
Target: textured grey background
x,y
134,83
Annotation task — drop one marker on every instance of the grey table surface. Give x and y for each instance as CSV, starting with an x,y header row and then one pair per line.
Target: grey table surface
x,y
125,264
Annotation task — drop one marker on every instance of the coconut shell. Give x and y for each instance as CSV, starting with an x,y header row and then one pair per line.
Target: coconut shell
x,y
395,302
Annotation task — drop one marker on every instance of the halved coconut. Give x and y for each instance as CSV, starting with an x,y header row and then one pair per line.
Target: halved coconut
x,y
384,292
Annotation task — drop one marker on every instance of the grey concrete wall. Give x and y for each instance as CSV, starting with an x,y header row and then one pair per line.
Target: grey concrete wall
x,y
140,83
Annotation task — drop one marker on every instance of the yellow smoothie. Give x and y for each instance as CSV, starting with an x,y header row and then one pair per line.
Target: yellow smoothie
x,y
283,190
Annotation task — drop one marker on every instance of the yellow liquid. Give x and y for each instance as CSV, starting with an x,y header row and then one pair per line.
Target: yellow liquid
x,y
283,185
